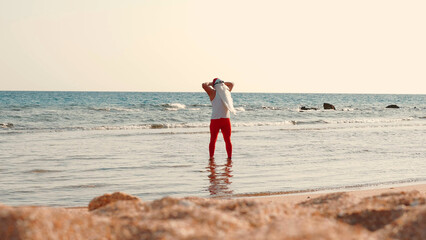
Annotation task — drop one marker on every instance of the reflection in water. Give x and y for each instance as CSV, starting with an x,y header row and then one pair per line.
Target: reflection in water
x,y
220,178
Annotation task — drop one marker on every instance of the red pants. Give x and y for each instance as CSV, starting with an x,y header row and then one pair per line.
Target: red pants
x,y
223,124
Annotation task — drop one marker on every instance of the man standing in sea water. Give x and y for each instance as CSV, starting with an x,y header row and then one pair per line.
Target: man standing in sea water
x,y
222,104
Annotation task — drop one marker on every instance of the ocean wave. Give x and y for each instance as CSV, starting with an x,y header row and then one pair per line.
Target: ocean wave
x,y
370,120
174,106
200,105
149,126
94,185
270,108
177,125
262,124
308,122
320,121
205,124
112,109
282,123
18,108
100,109
111,127
39,171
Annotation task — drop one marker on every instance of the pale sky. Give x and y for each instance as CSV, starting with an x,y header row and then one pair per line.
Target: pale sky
x,y
303,46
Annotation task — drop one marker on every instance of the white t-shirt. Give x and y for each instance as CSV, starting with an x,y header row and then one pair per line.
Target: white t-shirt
x,y
219,108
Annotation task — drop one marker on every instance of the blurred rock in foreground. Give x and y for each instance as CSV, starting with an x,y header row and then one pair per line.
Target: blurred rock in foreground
x,y
121,216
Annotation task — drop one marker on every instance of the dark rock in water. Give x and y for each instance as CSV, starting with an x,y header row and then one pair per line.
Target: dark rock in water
x,y
329,106
6,125
308,108
392,106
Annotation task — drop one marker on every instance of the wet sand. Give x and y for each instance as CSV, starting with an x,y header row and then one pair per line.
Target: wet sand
x,y
295,198
386,213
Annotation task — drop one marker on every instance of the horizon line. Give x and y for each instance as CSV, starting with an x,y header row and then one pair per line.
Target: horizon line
x,y
130,91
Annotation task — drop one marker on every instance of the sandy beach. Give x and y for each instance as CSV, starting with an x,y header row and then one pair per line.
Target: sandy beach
x,y
359,193
397,212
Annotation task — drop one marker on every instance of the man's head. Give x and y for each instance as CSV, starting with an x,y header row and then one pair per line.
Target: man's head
x,y
214,80
217,81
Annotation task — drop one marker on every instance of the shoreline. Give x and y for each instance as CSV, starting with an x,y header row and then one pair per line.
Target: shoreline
x,y
291,198
295,198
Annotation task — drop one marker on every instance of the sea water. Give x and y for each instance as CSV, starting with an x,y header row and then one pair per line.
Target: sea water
x,y
65,148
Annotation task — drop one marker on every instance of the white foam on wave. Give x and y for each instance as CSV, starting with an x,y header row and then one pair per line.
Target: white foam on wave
x,y
320,121
174,106
270,108
178,105
259,124
117,127
203,125
126,109
371,120
113,109
150,126
180,125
